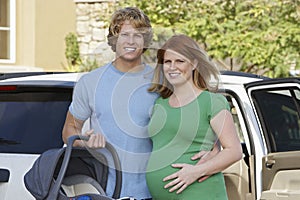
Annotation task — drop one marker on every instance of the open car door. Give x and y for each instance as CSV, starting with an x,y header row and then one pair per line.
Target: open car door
x,y
277,105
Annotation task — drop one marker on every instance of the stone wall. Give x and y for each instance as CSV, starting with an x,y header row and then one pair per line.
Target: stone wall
x,y
91,29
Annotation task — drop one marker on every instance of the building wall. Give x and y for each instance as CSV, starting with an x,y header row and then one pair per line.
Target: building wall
x,y
41,27
54,20
25,36
91,29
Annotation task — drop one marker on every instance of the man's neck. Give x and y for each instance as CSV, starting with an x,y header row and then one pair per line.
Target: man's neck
x,y
128,66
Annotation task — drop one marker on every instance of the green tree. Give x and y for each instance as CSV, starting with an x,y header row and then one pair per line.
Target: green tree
x,y
257,36
72,52
75,63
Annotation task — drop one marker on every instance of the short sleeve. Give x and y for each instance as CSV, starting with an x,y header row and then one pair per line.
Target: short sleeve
x,y
80,107
217,103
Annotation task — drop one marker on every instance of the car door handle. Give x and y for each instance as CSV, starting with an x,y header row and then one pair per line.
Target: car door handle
x,y
4,175
270,163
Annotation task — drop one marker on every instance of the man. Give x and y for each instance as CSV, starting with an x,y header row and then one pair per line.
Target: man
x,y
115,99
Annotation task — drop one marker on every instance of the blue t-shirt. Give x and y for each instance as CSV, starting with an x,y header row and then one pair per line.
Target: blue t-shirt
x,y
119,106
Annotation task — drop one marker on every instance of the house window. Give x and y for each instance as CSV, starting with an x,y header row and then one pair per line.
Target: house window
x,y
7,31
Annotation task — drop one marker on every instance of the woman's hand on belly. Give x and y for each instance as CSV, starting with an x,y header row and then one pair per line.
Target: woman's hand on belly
x,y
186,175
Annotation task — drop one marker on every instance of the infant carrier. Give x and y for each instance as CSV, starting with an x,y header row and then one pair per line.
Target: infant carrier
x,y
72,173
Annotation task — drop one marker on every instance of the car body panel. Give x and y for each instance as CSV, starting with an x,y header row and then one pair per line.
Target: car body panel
x,y
17,165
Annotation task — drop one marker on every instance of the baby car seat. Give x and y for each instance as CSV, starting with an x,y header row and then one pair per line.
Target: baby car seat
x,y
72,173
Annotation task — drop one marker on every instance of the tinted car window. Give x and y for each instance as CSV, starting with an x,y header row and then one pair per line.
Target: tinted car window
x,y
279,113
31,119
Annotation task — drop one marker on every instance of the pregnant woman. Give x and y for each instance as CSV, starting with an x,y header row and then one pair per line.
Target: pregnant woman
x,y
188,117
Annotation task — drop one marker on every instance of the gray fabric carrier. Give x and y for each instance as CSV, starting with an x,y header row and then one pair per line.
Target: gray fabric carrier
x,y
57,173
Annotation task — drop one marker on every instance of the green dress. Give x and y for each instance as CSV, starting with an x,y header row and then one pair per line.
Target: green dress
x,y
177,134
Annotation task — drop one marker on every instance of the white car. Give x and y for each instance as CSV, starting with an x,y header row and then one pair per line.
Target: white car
x,y
33,107
266,112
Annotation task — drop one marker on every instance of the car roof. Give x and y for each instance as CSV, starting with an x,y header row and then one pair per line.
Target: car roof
x,y
73,77
42,79
233,77
230,79
46,78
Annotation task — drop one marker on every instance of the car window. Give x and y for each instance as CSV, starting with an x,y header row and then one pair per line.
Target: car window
x,y
278,111
31,121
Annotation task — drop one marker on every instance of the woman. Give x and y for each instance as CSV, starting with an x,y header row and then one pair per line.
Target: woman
x,y
188,117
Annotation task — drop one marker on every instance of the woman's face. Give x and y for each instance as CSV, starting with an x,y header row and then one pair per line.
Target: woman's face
x,y
178,69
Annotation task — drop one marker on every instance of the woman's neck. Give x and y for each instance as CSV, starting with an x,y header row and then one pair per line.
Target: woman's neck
x,y
184,95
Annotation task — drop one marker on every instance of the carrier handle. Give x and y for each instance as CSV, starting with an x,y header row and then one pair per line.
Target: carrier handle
x,y
63,169
118,168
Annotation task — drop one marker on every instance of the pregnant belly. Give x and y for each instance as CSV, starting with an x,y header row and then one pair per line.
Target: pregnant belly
x,y
212,188
158,169
156,184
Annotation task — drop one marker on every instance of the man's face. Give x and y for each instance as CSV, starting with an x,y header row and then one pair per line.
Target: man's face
x,y
130,43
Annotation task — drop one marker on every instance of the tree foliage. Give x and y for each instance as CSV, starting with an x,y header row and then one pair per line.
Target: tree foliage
x,y
74,61
72,49
257,36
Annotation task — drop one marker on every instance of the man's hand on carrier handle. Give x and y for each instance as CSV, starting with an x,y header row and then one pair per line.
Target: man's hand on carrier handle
x,y
73,126
96,140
